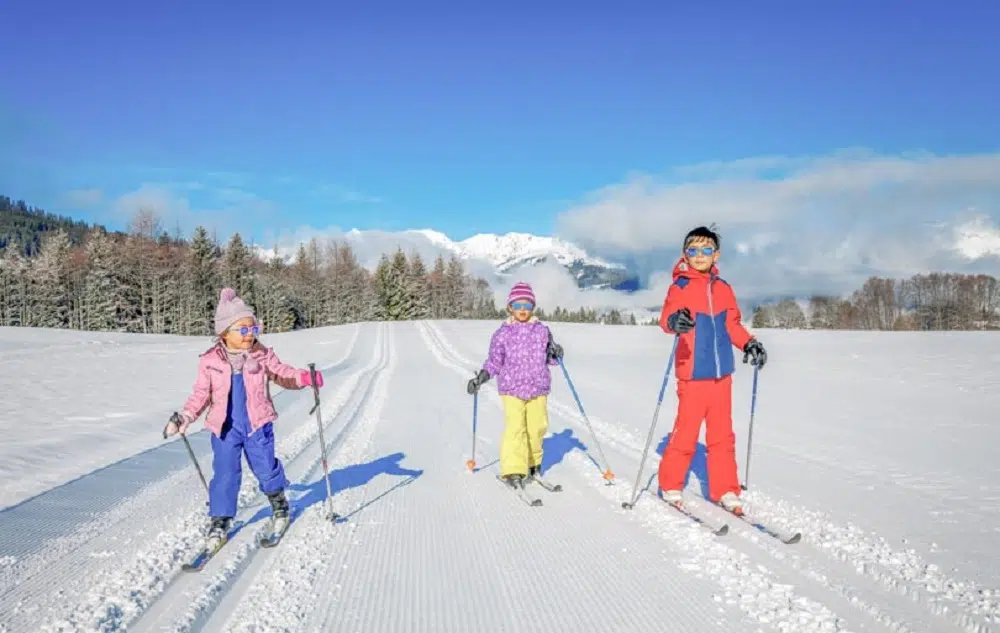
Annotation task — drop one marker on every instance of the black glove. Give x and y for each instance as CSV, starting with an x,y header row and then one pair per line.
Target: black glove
x,y
755,352
477,382
554,351
680,321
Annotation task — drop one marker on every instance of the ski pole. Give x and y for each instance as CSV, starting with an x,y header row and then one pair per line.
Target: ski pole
x,y
328,502
753,408
608,475
628,505
176,419
471,463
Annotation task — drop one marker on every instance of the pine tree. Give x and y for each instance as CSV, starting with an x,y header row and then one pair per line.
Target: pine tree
x,y
418,288
203,284
455,290
50,277
438,289
237,269
398,304
14,287
101,288
275,308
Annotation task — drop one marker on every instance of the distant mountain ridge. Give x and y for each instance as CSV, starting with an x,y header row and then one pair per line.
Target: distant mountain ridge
x,y
509,252
501,255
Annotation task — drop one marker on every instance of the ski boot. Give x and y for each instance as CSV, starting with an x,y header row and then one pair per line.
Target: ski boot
x,y
218,533
515,481
732,503
674,497
279,511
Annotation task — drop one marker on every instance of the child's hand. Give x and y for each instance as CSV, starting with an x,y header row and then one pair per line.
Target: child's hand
x,y
554,351
754,352
178,423
477,382
681,321
305,379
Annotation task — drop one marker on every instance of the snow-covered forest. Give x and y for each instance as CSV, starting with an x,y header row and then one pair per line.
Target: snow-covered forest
x,y
148,281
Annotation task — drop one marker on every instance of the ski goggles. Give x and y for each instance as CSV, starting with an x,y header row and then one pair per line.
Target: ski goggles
x,y
252,329
522,305
707,251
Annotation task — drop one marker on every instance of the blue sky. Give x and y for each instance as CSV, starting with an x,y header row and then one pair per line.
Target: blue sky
x,y
395,115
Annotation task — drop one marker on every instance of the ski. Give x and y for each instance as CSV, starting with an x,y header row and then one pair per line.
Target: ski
x,y
786,538
205,554
271,538
551,487
521,493
714,528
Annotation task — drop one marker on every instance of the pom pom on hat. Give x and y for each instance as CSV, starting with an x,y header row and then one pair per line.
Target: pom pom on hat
x,y
230,310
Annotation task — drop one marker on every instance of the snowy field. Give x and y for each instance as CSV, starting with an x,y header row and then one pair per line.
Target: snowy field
x,y
879,447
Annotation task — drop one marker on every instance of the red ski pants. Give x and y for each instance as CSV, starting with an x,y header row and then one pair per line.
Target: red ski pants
x,y
711,401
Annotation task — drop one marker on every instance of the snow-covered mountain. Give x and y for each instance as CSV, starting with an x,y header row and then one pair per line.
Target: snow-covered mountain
x,y
512,251
502,255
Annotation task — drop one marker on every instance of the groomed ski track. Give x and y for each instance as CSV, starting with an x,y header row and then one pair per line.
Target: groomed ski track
x,y
425,545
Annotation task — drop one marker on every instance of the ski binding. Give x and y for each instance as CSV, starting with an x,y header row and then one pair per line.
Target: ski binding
x,y
205,554
521,492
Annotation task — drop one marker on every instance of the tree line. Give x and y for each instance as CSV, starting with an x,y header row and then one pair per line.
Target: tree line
x,y
59,272
933,301
146,281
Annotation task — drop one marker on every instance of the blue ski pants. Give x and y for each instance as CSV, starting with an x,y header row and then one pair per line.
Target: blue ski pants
x,y
228,451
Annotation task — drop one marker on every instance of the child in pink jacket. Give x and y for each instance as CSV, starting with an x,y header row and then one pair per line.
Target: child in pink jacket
x,y
234,385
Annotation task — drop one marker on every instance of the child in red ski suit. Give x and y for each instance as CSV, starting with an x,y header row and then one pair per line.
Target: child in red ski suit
x,y
701,308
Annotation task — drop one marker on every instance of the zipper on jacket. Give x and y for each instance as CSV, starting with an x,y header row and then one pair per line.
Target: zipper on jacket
x,y
715,331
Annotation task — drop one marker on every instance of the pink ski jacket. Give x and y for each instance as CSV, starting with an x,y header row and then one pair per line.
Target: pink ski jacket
x,y
211,388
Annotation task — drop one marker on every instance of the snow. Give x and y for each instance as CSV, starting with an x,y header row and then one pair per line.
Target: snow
x,y
877,446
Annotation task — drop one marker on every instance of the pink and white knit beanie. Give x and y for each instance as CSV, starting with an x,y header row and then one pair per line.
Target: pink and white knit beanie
x,y
521,292
230,310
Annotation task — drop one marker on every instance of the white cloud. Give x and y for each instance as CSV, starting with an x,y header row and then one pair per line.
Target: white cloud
x,y
554,286
225,210
800,225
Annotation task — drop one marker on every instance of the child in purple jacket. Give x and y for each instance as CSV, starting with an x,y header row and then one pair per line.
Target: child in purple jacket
x,y
520,354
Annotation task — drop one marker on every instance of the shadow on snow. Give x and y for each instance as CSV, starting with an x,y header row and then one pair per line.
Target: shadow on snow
x,y
342,479
698,467
554,449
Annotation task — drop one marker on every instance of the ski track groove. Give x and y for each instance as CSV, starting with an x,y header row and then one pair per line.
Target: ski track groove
x,y
193,597
596,561
145,584
55,549
71,594
270,598
868,555
146,557
811,613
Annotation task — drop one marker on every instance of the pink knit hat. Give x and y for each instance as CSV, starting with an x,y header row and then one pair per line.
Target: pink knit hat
x,y
521,291
230,310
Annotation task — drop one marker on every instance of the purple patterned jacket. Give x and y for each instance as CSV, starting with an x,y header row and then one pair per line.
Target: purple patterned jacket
x,y
518,359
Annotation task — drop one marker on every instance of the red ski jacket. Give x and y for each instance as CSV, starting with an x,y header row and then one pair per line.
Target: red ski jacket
x,y
706,351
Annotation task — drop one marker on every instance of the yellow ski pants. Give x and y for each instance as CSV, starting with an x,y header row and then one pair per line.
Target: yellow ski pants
x,y
526,423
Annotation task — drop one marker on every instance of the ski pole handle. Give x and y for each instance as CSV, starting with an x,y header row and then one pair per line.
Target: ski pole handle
x,y
312,381
175,419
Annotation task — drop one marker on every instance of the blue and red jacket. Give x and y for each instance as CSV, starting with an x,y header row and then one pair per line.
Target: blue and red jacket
x,y
705,352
